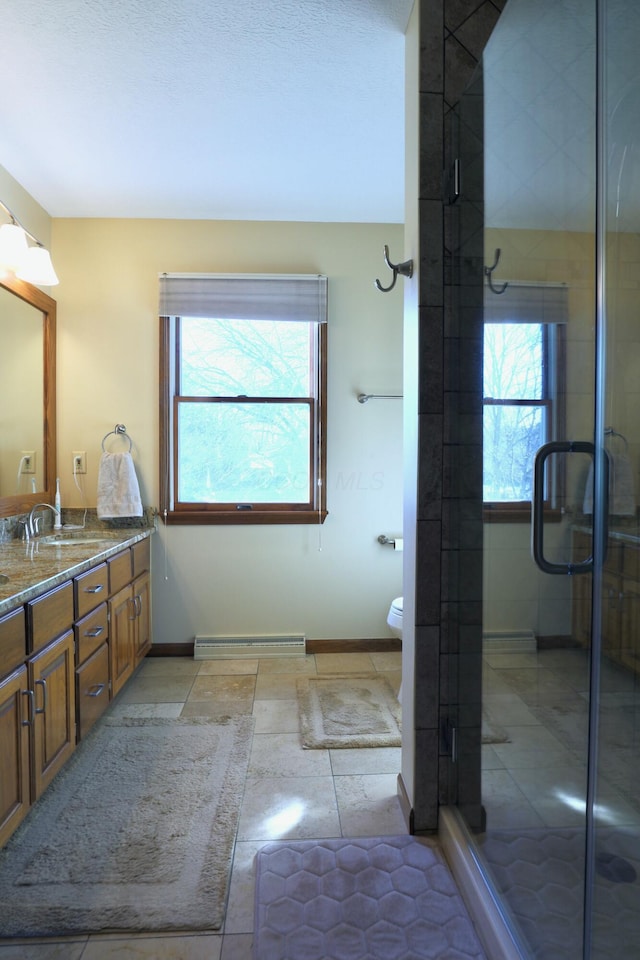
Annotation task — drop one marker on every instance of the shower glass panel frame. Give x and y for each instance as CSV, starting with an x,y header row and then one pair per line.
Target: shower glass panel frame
x,y
548,140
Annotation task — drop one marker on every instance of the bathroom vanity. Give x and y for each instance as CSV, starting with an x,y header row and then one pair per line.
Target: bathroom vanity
x,y
621,596
75,622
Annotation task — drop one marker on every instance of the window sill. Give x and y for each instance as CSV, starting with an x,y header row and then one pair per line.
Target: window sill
x,y
243,517
517,513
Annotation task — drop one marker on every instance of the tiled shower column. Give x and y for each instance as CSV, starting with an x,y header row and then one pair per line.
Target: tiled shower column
x,y
449,519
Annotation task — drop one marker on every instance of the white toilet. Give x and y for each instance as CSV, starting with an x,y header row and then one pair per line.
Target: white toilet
x,y
394,621
394,617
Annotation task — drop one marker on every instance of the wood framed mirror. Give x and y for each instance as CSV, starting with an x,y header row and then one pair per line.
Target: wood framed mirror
x,y
27,396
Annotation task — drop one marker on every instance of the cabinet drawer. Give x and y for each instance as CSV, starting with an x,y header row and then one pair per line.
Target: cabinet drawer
x,y
92,680
13,641
119,571
613,559
50,616
91,632
141,554
90,589
631,563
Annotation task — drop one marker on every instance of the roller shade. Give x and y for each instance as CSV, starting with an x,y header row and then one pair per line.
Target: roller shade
x,y
527,303
297,297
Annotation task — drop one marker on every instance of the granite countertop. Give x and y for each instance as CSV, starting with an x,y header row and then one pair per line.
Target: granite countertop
x,y
35,567
626,530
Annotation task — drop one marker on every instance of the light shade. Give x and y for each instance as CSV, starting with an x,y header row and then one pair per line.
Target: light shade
x,y
13,246
22,254
36,267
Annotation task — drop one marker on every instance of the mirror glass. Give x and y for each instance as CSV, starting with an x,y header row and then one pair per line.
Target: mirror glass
x,y
27,389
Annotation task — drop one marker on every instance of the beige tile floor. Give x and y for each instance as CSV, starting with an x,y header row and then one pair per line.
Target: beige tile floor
x,y
533,791
290,793
538,778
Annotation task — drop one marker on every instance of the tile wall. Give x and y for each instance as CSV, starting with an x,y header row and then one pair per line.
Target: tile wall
x,y
448,538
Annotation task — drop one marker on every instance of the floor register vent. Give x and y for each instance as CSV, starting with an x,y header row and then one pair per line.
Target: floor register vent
x,y
235,648
511,641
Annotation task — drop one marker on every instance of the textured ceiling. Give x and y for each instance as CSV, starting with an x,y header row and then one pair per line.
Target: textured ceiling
x,y
226,109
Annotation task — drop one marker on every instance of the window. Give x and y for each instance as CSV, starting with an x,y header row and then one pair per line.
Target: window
x,y
523,373
243,374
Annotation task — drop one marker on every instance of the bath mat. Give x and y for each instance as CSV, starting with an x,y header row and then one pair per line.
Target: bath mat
x,y
540,874
493,732
354,711
136,833
359,899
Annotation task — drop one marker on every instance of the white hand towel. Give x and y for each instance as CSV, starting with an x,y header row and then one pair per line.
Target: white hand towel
x,y
622,500
118,490
587,503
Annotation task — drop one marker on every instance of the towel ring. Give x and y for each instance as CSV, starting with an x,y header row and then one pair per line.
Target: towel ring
x,y
610,432
118,430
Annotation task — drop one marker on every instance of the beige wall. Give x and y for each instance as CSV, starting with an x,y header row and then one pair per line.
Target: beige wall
x,y
517,595
411,391
330,582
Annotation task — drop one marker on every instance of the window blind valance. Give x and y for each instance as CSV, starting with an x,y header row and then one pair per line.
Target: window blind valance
x,y
298,297
527,303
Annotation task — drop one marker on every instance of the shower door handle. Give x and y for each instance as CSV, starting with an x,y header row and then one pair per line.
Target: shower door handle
x,y
537,530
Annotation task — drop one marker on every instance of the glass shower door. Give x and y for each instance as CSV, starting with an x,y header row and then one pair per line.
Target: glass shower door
x,y
548,265
542,568
613,885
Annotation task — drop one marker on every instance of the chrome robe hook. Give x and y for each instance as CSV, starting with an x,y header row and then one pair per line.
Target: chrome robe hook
x,y
488,271
404,269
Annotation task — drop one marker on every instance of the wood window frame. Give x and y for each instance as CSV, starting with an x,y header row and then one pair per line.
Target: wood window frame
x,y
172,512
554,401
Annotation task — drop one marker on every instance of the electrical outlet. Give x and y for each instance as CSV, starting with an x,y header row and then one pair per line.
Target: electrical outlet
x,y
79,461
28,461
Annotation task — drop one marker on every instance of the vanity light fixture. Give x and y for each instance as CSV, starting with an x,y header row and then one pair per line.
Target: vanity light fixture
x,y
28,261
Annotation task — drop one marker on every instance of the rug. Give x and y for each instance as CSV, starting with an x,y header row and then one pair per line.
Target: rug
x,y
354,711
540,874
493,732
136,832
391,898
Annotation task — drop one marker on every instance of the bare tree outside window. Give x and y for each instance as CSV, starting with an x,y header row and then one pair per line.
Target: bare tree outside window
x,y
516,405
245,411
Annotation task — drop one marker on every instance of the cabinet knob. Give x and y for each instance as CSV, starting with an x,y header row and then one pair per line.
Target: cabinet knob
x,y
96,589
94,633
95,690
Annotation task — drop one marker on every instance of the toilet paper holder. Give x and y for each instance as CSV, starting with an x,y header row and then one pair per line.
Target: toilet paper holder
x,y
395,542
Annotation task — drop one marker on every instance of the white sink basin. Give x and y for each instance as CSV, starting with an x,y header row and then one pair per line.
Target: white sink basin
x,y
71,539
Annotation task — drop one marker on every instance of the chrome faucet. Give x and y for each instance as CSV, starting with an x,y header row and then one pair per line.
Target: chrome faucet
x,y
31,524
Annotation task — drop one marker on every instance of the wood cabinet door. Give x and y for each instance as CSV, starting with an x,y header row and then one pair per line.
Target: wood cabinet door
x,y
92,689
612,603
142,625
52,676
122,616
629,653
581,610
15,797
